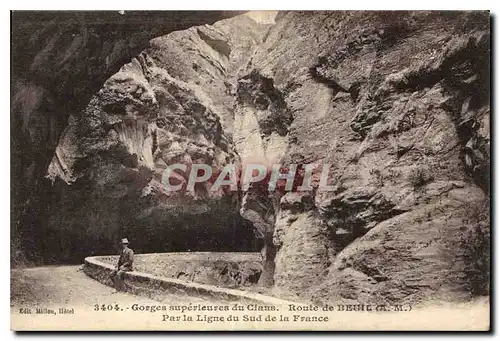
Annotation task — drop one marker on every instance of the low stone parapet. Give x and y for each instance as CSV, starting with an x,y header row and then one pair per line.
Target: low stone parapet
x,y
155,287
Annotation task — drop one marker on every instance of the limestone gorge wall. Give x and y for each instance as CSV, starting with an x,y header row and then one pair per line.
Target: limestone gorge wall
x,y
396,102
171,104
60,59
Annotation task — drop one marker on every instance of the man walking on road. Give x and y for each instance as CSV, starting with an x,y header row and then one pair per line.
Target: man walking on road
x,y
125,263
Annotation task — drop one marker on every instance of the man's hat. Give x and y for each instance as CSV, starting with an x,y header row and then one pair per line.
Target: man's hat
x,y
124,241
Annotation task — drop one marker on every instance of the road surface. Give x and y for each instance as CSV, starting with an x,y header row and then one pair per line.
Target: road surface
x,y
69,286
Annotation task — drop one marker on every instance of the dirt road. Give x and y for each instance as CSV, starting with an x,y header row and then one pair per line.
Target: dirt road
x,y
68,285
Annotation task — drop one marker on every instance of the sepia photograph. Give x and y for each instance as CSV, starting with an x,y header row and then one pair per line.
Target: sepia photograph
x,y
275,170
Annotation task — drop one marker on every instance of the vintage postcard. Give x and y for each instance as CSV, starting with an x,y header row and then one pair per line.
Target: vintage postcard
x,y
260,170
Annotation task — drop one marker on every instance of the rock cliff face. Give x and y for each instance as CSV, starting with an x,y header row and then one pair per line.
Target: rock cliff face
x,y
59,60
397,103
171,104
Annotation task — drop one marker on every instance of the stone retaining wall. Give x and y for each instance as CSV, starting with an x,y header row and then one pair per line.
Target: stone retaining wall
x,y
154,287
232,270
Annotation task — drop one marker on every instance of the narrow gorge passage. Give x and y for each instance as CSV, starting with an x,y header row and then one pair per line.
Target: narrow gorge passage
x,y
396,103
